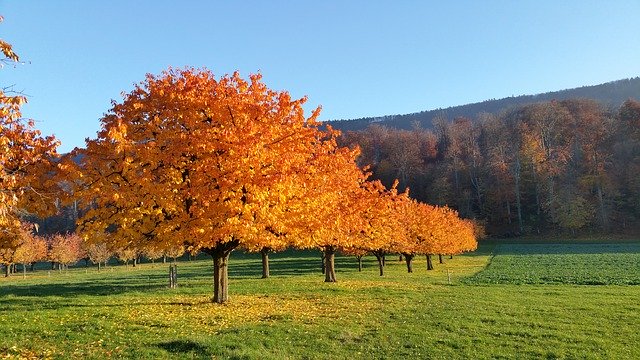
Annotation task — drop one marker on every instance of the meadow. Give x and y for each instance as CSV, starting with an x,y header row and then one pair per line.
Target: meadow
x,y
507,300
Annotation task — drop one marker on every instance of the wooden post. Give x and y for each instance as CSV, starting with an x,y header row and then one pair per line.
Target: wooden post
x,y
173,276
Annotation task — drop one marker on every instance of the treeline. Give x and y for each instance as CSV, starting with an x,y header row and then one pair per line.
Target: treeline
x,y
65,249
572,165
611,94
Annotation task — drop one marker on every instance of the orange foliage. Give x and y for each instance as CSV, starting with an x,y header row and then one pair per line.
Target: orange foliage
x,y
65,249
25,163
229,153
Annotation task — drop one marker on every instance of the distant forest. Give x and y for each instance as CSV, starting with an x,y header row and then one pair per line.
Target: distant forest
x,y
571,165
611,95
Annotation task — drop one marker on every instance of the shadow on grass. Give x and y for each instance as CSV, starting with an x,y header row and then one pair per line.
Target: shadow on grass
x,y
75,289
185,347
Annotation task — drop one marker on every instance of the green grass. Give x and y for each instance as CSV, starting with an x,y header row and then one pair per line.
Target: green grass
x,y
130,313
581,264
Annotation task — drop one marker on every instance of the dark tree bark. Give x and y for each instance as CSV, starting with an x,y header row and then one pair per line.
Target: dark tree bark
x,y
359,258
440,259
265,261
220,255
329,263
380,257
409,258
429,262
516,176
7,270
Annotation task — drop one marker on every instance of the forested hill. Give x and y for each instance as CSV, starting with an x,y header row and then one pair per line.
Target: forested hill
x,y
609,94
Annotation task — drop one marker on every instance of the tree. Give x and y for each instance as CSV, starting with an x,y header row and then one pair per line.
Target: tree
x,y
127,254
174,252
220,147
32,248
357,253
65,249
383,231
98,253
26,163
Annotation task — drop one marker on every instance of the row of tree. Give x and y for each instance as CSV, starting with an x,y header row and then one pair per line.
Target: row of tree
x,y
217,164
63,250
562,164
188,160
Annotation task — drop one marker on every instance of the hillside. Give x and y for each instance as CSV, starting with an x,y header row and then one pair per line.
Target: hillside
x,y
610,94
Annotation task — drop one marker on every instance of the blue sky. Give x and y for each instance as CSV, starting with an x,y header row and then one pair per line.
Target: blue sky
x,y
355,58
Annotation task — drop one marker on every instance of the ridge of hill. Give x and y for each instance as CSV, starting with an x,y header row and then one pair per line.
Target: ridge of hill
x,y
610,94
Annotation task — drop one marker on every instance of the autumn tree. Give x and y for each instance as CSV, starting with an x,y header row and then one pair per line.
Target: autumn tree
x,y
358,253
382,229
174,252
32,248
98,253
219,147
626,165
127,254
26,161
65,249
328,214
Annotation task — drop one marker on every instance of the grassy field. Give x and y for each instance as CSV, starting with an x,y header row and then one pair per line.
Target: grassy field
x,y
501,303
581,264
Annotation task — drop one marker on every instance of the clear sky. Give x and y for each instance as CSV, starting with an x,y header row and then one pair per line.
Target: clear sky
x,y
355,58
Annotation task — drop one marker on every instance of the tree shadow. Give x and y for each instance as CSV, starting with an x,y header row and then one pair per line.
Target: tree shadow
x,y
185,347
77,288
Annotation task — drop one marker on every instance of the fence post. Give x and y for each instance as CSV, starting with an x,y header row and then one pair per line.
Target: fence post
x,y
173,276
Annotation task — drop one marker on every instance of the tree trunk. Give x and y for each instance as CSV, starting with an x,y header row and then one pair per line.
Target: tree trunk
x,y
33,265
440,259
7,270
409,258
516,176
24,271
220,255
173,276
380,256
329,263
99,265
537,182
359,257
603,216
429,262
400,258
265,261
164,259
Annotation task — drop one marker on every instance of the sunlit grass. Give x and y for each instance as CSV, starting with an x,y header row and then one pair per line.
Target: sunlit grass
x,y
130,313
